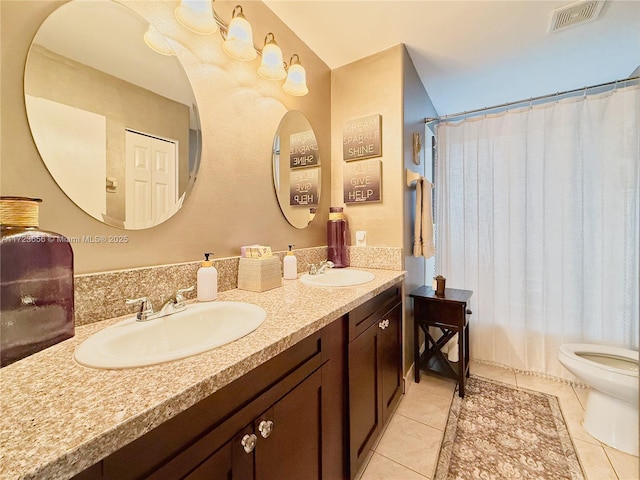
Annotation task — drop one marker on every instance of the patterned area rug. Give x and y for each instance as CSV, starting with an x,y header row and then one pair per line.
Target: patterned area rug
x,y
498,431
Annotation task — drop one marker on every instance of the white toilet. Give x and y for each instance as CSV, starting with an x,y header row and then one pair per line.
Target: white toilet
x,y
611,415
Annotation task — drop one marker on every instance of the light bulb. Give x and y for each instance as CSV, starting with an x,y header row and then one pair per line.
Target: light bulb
x,y
197,16
296,83
239,41
272,67
156,42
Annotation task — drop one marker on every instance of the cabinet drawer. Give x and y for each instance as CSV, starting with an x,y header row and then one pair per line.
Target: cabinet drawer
x,y
440,313
360,318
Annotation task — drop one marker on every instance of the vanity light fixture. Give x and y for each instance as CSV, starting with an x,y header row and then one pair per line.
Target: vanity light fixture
x,y
156,42
197,16
239,41
296,83
272,66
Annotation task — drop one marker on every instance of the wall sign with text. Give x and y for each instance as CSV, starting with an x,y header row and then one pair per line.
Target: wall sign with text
x,y
362,138
303,187
303,149
362,181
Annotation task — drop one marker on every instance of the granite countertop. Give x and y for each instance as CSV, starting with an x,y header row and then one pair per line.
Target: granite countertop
x,y
58,418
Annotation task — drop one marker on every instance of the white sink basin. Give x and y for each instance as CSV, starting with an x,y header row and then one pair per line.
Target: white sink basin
x,y
338,277
201,327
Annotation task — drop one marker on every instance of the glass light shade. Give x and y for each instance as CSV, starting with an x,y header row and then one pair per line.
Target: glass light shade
x,y
197,16
239,41
296,83
272,67
156,42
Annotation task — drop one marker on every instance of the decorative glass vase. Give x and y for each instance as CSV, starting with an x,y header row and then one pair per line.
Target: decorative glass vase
x,y
36,278
337,251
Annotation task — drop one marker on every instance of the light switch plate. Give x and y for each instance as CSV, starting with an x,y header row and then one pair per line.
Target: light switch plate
x,y
361,238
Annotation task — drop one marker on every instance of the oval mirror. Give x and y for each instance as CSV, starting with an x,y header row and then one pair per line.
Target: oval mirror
x,y
112,113
296,169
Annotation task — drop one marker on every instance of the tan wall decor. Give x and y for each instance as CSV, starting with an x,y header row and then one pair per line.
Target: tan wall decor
x,y
362,138
362,181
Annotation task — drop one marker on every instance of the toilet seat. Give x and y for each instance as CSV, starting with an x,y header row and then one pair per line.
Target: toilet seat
x,y
611,412
575,350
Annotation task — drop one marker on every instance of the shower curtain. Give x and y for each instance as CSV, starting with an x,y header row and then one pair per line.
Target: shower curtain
x,y
538,213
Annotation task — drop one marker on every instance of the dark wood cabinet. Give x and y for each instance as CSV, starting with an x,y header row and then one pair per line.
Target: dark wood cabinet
x,y
283,442
374,371
312,412
292,449
277,421
391,361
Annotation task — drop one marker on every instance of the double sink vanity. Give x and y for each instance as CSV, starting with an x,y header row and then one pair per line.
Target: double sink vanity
x,y
303,390
290,383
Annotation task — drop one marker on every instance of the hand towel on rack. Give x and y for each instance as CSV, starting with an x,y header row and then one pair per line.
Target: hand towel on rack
x,y
423,225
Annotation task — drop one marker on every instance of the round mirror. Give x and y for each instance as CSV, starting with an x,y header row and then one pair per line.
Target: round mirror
x,y
296,169
112,113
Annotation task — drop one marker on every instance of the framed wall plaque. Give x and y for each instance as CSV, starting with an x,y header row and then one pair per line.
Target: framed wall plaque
x,y
362,181
362,138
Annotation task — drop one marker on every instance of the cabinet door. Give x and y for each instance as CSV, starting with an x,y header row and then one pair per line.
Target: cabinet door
x,y
365,406
233,461
391,360
289,435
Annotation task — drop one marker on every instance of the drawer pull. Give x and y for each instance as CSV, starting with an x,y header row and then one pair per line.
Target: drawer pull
x,y
383,324
265,427
249,442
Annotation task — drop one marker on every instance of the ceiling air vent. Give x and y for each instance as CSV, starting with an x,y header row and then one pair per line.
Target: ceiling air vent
x,y
575,14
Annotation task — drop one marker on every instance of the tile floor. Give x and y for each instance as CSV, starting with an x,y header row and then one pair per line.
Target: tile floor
x,y
408,449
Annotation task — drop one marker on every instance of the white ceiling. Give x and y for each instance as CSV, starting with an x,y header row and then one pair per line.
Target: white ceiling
x,y
474,53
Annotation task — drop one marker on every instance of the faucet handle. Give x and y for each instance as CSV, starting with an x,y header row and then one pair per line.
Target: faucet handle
x,y
179,294
146,308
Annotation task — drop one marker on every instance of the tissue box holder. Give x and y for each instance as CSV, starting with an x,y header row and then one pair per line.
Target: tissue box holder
x,y
258,275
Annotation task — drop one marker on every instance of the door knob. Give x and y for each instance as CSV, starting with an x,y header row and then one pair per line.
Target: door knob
x,y
249,442
265,428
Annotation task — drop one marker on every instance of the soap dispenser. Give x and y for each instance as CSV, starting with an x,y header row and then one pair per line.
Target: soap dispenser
x,y
290,265
207,280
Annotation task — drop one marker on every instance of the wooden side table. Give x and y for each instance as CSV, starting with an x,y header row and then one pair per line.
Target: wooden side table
x,y
449,314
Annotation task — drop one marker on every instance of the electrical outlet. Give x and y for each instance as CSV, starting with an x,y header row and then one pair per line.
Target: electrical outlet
x,y
361,238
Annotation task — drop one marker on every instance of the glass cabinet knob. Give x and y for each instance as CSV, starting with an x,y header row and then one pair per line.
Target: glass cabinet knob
x,y
265,428
249,442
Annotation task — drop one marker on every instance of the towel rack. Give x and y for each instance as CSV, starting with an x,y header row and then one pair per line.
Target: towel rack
x,y
412,177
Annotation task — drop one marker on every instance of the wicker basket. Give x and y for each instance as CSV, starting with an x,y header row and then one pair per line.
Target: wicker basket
x,y
258,275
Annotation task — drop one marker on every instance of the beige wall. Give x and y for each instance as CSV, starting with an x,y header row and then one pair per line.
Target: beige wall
x,y
233,202
372,85
386,83
416,106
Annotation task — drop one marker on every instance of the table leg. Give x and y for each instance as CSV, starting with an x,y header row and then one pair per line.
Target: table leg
x,y
466,348
416,351
461,361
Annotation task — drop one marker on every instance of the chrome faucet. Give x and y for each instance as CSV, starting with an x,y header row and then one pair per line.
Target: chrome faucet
x,y
321,267
175,303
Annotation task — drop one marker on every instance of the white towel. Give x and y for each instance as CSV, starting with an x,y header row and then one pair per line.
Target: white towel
x,y
423,225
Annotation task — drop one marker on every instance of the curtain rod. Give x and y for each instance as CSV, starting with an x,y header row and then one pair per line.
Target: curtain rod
x,y
528,100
